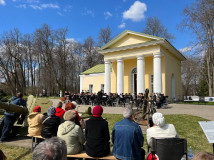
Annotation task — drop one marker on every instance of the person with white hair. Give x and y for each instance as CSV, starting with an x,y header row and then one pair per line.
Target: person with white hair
x,y
160,129
51,149
127,138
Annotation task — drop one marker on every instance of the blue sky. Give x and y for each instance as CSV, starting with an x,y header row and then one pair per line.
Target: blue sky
x,y
85,17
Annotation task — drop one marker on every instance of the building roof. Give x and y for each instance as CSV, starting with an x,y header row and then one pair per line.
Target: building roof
x,y
100,68
155,40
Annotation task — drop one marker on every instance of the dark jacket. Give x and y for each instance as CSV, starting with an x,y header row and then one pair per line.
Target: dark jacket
x,y
50,126
97,137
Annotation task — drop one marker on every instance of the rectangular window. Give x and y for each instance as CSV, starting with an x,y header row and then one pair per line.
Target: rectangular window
x,y
151,84
102,87
91,88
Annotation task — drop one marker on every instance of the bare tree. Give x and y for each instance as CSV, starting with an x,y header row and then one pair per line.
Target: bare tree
x,y
190,75
156,28
104,36
199,18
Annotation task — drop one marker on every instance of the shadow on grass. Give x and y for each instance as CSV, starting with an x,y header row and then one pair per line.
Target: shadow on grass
x,y
23,155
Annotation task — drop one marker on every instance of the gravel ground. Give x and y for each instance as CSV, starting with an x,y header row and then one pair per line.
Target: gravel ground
x,y
204,111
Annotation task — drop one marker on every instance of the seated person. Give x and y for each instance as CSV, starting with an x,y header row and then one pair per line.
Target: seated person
x,y
35,122
71,133
203,156
50,123
160,129
50,149
127,138
97,134
71,106
59,110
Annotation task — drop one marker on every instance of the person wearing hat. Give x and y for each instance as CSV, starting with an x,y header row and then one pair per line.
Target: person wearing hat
x,y
35,122
160,129
97,134
59,110
50,123
71,106
71,133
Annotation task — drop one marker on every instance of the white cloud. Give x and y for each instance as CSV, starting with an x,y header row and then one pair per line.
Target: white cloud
x,y
186,49
88,12
44,6
35,7
21,6
136,12
49,5
59,13
107,14
2,2
122,25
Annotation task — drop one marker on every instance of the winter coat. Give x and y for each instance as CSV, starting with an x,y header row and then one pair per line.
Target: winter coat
x,y
35,124
59,112
50,126
97,137
73,136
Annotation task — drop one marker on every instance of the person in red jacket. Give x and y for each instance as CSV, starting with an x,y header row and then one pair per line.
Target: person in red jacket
x,y
59,110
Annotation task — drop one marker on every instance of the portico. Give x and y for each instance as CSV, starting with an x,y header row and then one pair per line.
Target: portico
x,y
136,61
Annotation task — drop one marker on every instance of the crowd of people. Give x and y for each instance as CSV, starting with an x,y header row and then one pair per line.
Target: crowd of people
x,y
65,133
113,99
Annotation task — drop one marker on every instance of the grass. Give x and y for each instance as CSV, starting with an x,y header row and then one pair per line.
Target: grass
x,y
200,103
186,125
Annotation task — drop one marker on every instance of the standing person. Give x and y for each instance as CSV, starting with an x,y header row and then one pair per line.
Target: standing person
x,y
71,133
59,110
50,123
35,122
97,134
127,138
10,118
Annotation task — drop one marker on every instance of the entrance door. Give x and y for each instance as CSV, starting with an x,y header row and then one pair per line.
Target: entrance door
x,y
135,83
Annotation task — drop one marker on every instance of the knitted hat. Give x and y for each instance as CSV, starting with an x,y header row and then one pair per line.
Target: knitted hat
x,y
158,119
69,106
70,115
51,111
97,111
37,109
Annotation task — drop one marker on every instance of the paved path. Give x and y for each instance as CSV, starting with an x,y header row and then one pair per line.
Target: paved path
x,y
205,111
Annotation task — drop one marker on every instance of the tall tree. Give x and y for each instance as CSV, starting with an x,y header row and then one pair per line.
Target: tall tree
x,y
199,18
104,36
156,28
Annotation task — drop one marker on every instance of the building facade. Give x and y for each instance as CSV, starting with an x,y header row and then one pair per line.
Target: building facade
x,y
136,61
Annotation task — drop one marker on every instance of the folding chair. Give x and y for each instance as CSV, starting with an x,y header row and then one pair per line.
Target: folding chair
x,y
169,148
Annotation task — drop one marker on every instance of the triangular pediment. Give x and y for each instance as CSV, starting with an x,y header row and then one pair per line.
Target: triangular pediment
x,y
127,38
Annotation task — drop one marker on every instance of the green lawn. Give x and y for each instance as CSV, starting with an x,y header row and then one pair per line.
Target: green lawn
x,y
187,127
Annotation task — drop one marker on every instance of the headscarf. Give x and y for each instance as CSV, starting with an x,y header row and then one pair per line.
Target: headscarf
x,y
70,115
51,111
75,103
69,106
37,109
158,119
97,111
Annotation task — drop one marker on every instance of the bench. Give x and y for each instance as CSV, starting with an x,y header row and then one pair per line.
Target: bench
x,y
35,141
84,155
192,99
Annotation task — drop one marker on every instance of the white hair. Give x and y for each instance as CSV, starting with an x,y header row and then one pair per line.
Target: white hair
x,y
158,119
127,112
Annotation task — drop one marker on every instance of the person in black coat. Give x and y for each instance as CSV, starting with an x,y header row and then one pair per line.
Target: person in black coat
x,y
97,134
50,123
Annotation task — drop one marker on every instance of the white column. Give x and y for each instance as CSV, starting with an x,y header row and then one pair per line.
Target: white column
x,y
81,83
107,83
120,76
140,74
157,84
